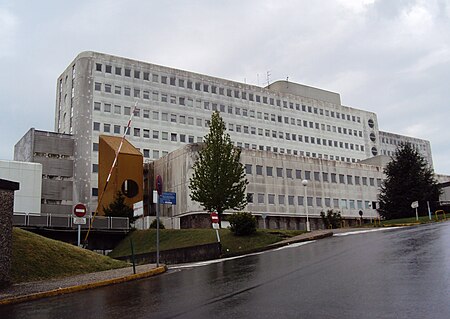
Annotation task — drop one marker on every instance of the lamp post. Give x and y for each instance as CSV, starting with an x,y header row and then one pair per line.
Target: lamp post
x,y
305,183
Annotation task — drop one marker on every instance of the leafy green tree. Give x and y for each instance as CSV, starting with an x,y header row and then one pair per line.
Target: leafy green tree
x,y
118,208
409,178
219,181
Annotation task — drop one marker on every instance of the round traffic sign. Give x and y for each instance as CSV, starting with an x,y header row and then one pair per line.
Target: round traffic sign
x,y
79,210
214,217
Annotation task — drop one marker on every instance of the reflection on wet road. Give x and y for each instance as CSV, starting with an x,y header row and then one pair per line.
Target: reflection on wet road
x,y
399,273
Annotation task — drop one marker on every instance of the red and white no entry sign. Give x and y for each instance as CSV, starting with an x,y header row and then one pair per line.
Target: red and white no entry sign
x,y
79,210
214,217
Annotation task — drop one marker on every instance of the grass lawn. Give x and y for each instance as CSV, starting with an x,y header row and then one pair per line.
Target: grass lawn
x,y
412,220
36,257
145,240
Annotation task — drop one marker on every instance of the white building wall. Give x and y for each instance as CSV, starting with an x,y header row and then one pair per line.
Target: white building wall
x,y
96,92
28,198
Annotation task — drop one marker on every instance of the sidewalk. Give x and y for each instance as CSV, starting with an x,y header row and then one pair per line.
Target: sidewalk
x,y
47,288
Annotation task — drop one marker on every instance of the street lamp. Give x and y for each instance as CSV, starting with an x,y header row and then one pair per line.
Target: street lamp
x,y
305,183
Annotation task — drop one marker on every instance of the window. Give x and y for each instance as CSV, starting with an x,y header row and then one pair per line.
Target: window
x,y
341,178
98,86
308,175
250,198
126,110
146,133
107,108
349,179
279,172
118,70
298,174
317,176
310,201
271,199
319,201
106,128
259,169
269,171
95,147
137,132
108,88
300,200
116,129
289,172
260,198
291,200
94,168
155,134
333,178
96,126
137,93
173,137
327,202
94,191
155,78
97,106
325,177
281,199
165,136
127,72
146,76
155,154
372,181
248,168
146,153
117,90
98,67
127,91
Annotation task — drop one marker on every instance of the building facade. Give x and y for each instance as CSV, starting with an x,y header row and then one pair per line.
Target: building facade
x,y
55,152
275,191
97,93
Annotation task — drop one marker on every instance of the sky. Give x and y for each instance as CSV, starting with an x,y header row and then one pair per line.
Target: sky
x,y
391,57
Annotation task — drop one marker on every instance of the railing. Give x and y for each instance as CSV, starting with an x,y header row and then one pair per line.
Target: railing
x,y
66,221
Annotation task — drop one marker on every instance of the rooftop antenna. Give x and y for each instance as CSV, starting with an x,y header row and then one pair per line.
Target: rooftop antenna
x,y
268,77
287,81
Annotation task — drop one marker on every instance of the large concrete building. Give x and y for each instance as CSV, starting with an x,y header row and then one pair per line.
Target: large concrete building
x,y
97,93
275,191
55,153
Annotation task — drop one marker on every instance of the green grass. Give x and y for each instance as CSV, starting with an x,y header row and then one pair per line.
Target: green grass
x,y
144,241
37,258
412,220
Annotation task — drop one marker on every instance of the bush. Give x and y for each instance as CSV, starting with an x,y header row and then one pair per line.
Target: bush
x,y
331,219
153,224
242,224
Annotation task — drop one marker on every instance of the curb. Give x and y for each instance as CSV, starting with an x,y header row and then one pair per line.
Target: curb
x,y
67,290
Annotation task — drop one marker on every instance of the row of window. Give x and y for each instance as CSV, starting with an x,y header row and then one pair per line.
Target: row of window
x,y
182,119
107,107
309,175
214,89
177,137
291,200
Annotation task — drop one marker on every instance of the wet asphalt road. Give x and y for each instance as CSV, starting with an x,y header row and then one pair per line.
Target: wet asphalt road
x,y
397,273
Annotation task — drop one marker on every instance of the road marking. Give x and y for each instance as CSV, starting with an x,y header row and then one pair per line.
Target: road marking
x,y
214,261
364,231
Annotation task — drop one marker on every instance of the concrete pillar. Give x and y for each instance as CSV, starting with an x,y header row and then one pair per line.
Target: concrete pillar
x,y
7,189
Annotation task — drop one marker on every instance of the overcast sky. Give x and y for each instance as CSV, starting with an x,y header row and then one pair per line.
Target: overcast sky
x,y
391,57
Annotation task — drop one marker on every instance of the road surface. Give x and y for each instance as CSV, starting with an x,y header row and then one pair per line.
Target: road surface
x,y
395,273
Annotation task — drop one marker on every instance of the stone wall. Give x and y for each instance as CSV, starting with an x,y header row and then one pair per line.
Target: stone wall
x,y
7,189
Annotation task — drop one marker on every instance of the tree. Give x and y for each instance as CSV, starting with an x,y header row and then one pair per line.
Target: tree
x,y
332,219
118,208
242,224
219,181
409,178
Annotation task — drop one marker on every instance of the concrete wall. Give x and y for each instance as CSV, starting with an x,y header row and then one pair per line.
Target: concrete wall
x,y
7,189
29,175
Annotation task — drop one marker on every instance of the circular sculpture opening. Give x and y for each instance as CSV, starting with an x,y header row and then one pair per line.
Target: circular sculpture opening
x,y
130,188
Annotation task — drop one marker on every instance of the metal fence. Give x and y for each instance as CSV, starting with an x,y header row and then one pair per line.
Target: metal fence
x,y
66,221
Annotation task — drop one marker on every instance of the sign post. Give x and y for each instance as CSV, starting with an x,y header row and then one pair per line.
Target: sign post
x,y
215,223
415,205
159,187
79,210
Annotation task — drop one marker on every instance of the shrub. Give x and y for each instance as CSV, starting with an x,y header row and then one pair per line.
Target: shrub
x,y
153,224
242,224
331,219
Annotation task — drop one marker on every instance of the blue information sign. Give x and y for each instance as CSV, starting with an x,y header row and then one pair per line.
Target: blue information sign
x,y
168,198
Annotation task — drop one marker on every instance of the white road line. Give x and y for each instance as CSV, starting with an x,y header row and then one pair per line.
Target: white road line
x,y
364,231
